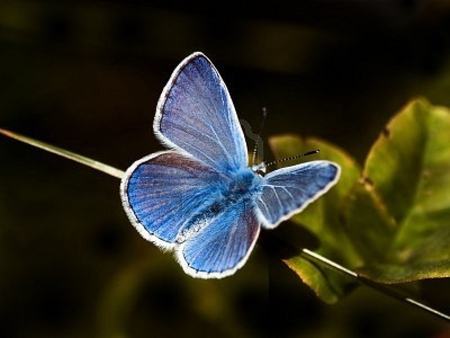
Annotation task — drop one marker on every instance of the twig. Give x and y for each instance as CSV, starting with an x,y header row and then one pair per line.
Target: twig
x,y
397,294
65,153
307,254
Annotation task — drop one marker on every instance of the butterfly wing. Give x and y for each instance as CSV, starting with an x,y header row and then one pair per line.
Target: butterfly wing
x,y
195,114
223,246
163,191
289,190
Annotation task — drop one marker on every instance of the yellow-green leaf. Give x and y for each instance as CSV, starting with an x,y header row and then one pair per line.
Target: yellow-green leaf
x,y
322,218
398,215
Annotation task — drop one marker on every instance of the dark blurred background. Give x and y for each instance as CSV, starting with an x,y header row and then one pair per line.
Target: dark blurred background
x,y
86,76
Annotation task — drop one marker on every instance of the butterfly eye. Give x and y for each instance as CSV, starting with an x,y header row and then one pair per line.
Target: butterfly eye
x,y
260,169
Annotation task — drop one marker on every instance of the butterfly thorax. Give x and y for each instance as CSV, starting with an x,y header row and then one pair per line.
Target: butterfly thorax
x,y
244,185
241,187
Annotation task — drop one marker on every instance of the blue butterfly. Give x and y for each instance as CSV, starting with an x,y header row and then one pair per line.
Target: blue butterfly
x,y
200,199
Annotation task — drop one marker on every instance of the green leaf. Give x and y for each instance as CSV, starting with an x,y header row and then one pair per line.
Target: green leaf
x,y
322,218
398,214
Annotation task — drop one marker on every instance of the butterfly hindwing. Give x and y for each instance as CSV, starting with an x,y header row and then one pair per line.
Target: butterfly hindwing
x,y
195,114
289,190
223,246
163,191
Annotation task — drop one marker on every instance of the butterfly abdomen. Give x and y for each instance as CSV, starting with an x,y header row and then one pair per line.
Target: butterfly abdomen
x,y
244,187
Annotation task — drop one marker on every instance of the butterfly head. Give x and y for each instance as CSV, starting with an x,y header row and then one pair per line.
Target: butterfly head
x,y
259,169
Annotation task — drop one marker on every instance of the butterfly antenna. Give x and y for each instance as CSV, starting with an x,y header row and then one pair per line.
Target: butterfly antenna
x,y
258,138
312,152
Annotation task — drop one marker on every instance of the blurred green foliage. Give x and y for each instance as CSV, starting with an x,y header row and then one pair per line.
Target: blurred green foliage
x,y
398,213
390,221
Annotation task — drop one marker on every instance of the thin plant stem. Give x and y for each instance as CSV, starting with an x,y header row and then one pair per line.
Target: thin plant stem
x,y
305,253
65,153
390,291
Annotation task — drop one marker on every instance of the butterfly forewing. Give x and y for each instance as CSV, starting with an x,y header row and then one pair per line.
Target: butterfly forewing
x,y
195,113
289,190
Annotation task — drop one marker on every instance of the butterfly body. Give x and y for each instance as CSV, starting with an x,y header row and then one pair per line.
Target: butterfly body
x,y
240,188
200,198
